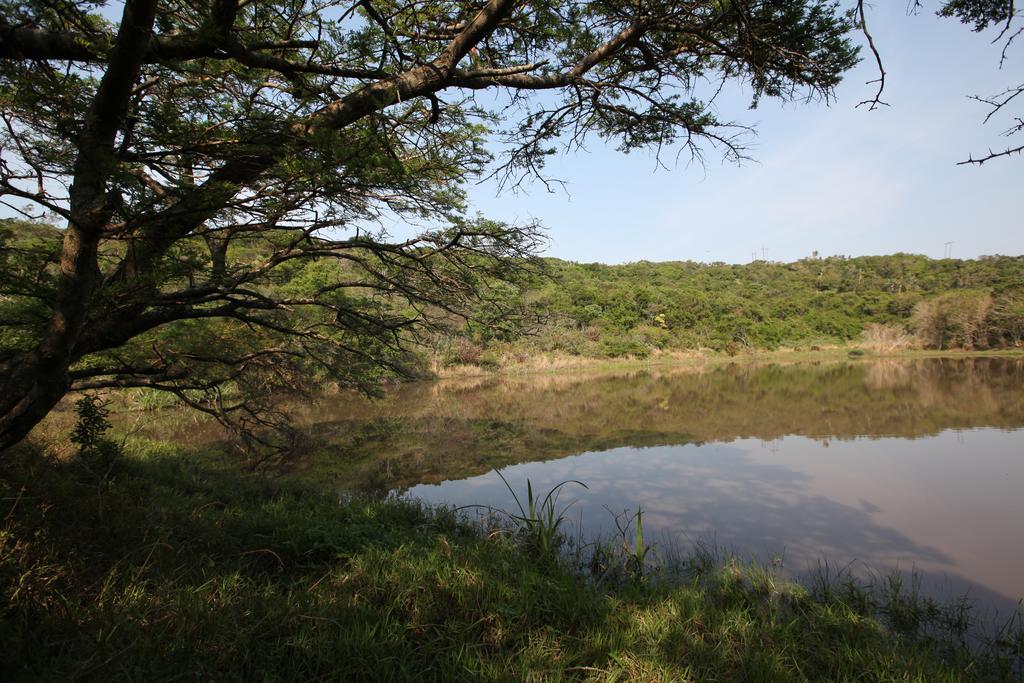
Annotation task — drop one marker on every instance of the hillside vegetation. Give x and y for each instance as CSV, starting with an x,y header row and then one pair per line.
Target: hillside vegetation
x,y
604,311
888,302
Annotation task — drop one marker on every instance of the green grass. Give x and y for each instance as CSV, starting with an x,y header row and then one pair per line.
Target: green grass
x,y
182,567
539,522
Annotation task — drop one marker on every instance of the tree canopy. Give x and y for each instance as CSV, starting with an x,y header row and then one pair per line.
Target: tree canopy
x,y
644,308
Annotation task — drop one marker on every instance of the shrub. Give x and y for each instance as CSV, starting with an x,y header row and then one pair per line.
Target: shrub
x,y
1006,319
617,347
98,453
489,361
886,338
657,337
463,352
953,320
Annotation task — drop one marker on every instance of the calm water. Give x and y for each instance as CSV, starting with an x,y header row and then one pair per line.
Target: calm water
x,y
879,464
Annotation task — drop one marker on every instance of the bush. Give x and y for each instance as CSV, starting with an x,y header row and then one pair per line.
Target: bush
x,y
657,337
489,361
463,352
616,347
886,338
1006,319
953,320
98,453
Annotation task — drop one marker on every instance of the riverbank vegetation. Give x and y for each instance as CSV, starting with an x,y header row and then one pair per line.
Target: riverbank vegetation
x,y
558,314
222,173
164,564
883,303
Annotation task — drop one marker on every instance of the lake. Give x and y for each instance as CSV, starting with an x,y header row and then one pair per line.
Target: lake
x,y
871,465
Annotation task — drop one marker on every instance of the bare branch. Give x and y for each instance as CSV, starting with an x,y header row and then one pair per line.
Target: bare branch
x,y
875,101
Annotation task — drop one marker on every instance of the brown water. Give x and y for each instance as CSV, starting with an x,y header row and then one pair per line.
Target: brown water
x,y
909,465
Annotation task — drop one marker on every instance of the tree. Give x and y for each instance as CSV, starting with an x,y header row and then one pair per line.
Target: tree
x,y
1006,319
219,166
956,319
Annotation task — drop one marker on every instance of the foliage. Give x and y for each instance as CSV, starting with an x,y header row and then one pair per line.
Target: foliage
x,y
1006,319
95,449
643,308
92,423
953,320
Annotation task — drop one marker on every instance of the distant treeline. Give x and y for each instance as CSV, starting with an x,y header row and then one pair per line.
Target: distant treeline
x,y
903,300
602,311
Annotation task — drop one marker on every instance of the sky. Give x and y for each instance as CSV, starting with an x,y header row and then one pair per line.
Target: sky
x,y
828,178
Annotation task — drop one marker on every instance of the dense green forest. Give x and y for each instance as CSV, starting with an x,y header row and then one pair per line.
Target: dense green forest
x,y
890,302
608,311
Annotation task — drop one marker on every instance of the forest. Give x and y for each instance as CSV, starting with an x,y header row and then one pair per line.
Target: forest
x,y
636,310
884,302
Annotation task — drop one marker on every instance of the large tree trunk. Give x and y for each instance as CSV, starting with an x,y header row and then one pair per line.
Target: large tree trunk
x,y
31,386
32,383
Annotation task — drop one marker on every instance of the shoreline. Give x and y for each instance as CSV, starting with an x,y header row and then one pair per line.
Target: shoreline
x,y
194,567
556,363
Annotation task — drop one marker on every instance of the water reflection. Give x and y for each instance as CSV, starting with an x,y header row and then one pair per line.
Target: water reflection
x,y
427,433
893,464
947,506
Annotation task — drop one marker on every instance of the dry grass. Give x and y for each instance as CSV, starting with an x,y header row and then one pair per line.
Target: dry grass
x,y
885,339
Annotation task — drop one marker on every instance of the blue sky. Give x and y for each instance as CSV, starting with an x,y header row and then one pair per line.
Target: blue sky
x,y
832,179
828,178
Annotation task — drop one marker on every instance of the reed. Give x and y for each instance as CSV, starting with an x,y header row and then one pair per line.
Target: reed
x,y
539,520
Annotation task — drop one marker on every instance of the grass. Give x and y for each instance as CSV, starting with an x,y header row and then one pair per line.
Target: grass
x,y
178,566
539,522
544,363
